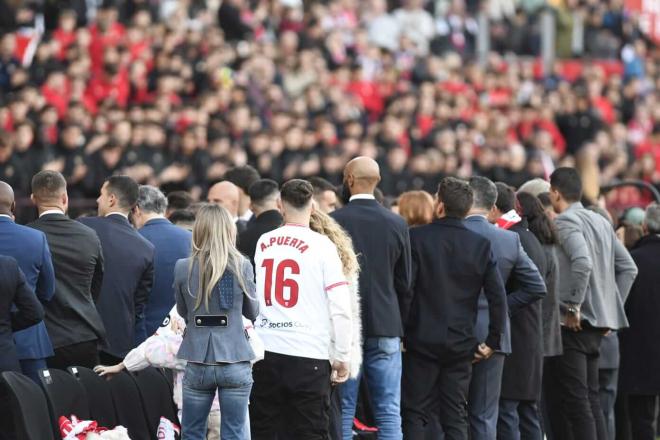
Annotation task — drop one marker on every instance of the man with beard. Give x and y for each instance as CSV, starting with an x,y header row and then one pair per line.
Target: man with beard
x,y
382,241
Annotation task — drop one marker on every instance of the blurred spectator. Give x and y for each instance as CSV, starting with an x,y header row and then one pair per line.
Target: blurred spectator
x,y
265,197
184,218
177,201
416,208
324,194
243,177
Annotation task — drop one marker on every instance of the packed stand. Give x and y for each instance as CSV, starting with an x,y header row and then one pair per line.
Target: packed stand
x,y
174,93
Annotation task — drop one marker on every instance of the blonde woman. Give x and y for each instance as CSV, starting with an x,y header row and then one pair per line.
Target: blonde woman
x,y
213,288
325,225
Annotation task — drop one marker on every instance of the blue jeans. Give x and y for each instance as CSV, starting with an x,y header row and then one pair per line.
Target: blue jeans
x,y
519,419
382,369
32,367
233,382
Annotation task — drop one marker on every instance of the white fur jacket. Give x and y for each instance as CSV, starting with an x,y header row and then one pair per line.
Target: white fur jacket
x,y
356,321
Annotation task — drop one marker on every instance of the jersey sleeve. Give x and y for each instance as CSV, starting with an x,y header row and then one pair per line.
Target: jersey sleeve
x,y
339,303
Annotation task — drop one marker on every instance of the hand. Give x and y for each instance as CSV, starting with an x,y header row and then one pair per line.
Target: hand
x,y
573,321
109,371
483,352
340,372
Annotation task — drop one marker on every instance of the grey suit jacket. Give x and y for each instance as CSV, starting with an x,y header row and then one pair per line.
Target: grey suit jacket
x,y
596,271
215,344
514,265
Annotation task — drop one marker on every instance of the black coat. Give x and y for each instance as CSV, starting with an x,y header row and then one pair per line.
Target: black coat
x,y
382,242
523,368
450,266
71,316
256,227
129,275
14,291
640,349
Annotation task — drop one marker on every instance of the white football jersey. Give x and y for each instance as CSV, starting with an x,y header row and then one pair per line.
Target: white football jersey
x,y
298,274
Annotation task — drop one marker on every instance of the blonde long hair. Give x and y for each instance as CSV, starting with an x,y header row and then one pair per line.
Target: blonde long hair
x,y
214,251
326,225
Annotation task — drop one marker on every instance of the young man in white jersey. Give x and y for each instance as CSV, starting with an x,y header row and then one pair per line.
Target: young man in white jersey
x,y
304,299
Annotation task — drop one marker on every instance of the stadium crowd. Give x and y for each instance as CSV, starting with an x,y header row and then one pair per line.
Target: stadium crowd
x,y
456,274
158,91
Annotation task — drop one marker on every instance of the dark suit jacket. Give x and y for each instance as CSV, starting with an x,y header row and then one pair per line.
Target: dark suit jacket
x,y
382,243
127,282
265,222
640,351
513,264
71,316
171,244
14,291
450,267
523,368
30,250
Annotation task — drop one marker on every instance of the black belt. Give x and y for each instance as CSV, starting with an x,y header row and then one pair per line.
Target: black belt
x,y
211,321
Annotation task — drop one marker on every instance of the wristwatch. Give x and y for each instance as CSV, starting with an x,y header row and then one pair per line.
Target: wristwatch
x,y
573,309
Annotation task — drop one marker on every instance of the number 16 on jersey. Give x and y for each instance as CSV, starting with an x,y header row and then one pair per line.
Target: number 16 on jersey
x,y
284,266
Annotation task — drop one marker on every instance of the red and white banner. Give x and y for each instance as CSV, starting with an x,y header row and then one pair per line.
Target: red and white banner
x,y
649,16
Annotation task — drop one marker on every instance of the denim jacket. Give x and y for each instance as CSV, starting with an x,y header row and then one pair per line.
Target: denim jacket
x,y
212,344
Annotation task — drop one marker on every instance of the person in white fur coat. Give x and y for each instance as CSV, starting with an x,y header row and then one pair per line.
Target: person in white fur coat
x,y
324,224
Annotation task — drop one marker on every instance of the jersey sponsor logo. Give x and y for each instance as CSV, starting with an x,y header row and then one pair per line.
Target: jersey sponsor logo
x,y
265,323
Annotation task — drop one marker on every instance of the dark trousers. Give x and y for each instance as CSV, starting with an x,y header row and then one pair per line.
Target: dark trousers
x,y
109,359
335,426
608,379
519,420
82,354
434,395
290,398
642,411
577,387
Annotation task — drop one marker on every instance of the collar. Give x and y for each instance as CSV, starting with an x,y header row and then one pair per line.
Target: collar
x,y
477,216
118,213
298,225
271,213
51,211
6,216
156,221
247,215
362,197
574,206
508,220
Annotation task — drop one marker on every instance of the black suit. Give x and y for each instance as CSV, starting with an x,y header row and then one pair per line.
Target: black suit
x,y
450,266
73,323
382,243
14,291
129,275
256,227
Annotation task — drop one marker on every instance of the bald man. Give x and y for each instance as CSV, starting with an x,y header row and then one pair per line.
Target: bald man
x,y
227,195
381,239
30,249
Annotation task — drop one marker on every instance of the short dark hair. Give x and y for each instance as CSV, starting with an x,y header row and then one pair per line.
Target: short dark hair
x,y
262,189
297,193
544,198
47,185
568,183
243,177
125,189
182,216
456,195
177,200
320,185
506,198
484,192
